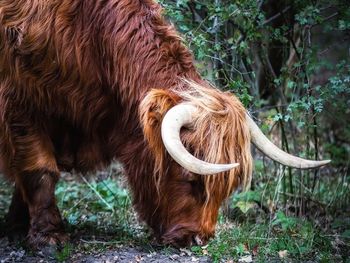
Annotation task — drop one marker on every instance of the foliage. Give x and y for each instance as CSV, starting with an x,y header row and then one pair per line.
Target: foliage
x,y
64,254
288,61
298,238
96,225
101,205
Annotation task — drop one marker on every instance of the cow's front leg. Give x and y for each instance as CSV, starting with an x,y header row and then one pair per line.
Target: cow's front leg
x,y
30,161
46,226
17,219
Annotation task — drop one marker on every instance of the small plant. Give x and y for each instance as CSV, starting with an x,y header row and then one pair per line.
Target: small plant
x,y
64,254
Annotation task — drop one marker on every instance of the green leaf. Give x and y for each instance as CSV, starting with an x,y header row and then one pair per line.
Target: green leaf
x,y
244,206
346,234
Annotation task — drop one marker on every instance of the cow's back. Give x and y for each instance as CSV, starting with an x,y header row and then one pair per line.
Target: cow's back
x,y
46,60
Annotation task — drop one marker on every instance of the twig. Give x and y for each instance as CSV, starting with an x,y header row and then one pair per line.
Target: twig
x,y
97,193
277,15
278,87
263,109
223,62
286,144
77,203
263,238
326,19
263,207
308,198
331,46
99,242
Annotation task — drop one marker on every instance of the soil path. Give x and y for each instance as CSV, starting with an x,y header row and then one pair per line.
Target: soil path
x,y
123,254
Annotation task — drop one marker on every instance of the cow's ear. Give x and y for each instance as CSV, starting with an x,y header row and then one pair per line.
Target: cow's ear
x,y
154,106
152,110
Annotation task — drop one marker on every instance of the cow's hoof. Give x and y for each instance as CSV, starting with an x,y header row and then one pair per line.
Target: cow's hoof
x,y
16,227
17,232
47,241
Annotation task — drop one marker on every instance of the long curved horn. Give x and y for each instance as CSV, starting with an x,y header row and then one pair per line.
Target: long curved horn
x,y
275,153
177,117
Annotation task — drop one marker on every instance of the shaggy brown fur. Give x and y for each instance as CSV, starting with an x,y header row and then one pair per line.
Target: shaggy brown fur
x,y
84,82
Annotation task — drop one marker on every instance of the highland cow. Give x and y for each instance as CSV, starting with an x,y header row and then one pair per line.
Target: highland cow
x,y
85,82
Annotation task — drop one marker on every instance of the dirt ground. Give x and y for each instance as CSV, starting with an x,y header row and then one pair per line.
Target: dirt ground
x,y
124,254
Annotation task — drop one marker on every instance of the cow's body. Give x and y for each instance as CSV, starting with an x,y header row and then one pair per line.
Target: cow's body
x,y
73,74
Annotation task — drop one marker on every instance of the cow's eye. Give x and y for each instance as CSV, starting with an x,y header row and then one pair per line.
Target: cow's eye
x,y
198,190
188,176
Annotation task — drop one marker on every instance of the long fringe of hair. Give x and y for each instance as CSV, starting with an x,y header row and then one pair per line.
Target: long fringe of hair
x,y
219,135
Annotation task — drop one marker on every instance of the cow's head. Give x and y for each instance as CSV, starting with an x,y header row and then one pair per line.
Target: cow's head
x,y
184,127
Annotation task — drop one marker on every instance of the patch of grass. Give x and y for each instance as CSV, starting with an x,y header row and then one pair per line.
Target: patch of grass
x,y
295,240
99,212
64,254
5,196
101,203
262,224
99,216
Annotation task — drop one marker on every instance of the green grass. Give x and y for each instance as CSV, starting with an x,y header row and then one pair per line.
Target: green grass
x,y
64,254
99,210
99,216
298,239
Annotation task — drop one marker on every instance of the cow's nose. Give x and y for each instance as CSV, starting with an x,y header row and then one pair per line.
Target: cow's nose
x,y
199,241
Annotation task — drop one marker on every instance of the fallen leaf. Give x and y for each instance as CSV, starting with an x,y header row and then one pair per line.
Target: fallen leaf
x,y
246,247
174,257
283,253
255,250
244,206
271,205
184,250
138,258
194,259
246,259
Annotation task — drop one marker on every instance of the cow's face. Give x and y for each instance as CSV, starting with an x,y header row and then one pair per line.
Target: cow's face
x,y
190,191
187,217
